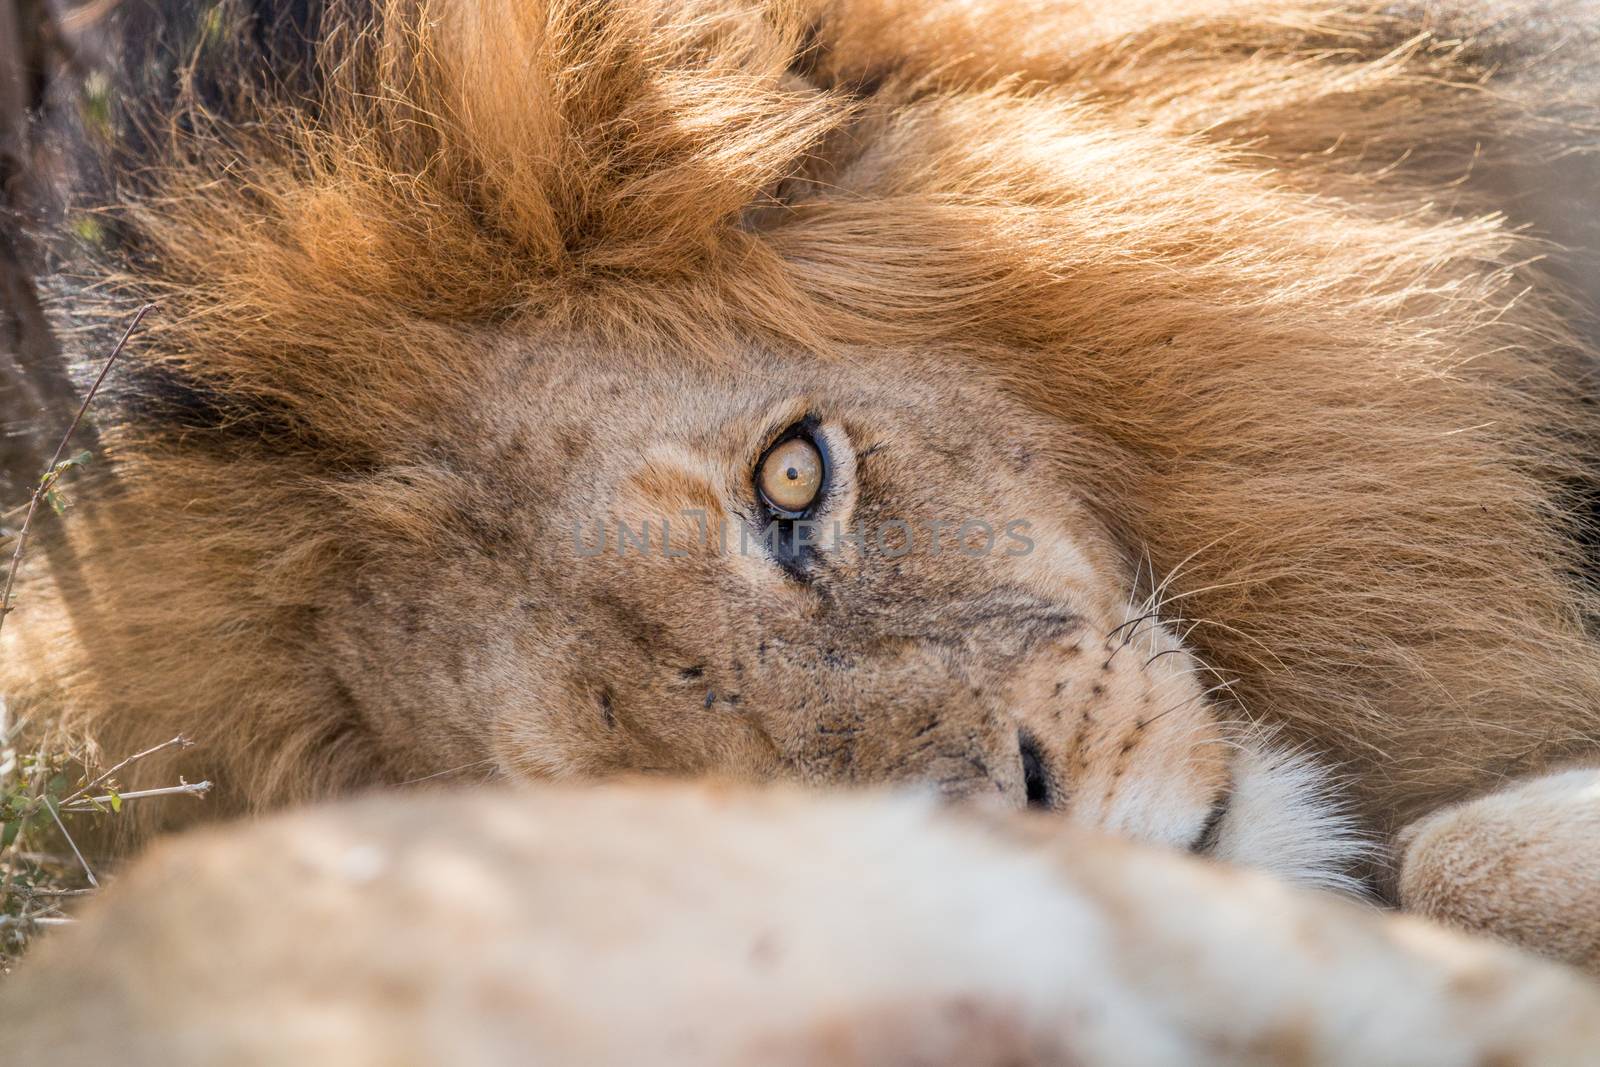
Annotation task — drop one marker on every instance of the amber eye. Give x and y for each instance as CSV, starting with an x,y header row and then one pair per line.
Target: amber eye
x,y
790,477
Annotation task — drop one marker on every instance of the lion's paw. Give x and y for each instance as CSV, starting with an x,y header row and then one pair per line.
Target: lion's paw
x,y
1521,864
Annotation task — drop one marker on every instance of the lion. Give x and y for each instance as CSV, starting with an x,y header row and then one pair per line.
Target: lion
x,y
681,924
1140,415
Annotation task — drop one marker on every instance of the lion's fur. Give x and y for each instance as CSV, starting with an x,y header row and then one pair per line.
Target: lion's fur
x,y
1310,376
680,924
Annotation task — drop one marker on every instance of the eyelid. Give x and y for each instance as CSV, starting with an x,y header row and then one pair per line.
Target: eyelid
x,y
779,420
805,425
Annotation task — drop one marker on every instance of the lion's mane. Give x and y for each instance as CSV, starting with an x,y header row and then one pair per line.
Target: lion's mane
x,y
1326,391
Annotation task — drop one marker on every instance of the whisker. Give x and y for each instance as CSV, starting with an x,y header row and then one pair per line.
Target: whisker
x,y
1131,622
1184,562
452,770
1168,652
1185,702
1133,633
1211,589
1254,640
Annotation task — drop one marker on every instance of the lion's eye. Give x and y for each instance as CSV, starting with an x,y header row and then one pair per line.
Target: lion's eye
x,y
790,477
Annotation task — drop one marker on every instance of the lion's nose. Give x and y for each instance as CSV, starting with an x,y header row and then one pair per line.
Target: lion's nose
x,y
1036,782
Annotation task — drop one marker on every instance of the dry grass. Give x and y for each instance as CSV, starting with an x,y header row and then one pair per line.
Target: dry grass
x,y
51,785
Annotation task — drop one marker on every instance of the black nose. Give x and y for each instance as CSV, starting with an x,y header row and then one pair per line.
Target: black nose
x,y
1036,781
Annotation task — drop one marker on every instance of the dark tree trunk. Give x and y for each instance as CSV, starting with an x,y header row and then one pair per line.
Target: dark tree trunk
x,y
36,392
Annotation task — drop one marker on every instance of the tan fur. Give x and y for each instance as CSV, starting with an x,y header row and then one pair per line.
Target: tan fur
x,y
1187,285
1520,864
676,924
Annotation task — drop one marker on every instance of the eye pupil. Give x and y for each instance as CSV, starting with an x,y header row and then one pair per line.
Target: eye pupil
x,y
791,475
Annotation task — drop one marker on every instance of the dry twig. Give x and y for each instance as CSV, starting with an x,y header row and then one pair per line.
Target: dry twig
x,y
177,742
192,789
54,468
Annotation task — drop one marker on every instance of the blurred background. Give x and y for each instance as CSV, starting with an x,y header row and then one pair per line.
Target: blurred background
x,y
47,57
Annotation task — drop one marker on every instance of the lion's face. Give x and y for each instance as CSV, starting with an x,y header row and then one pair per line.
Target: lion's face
x,y
865,572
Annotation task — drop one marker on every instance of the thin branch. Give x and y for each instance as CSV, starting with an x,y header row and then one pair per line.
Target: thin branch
x,y
193,789
179,742
51,808
51,472
54,859
36,891
35,920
